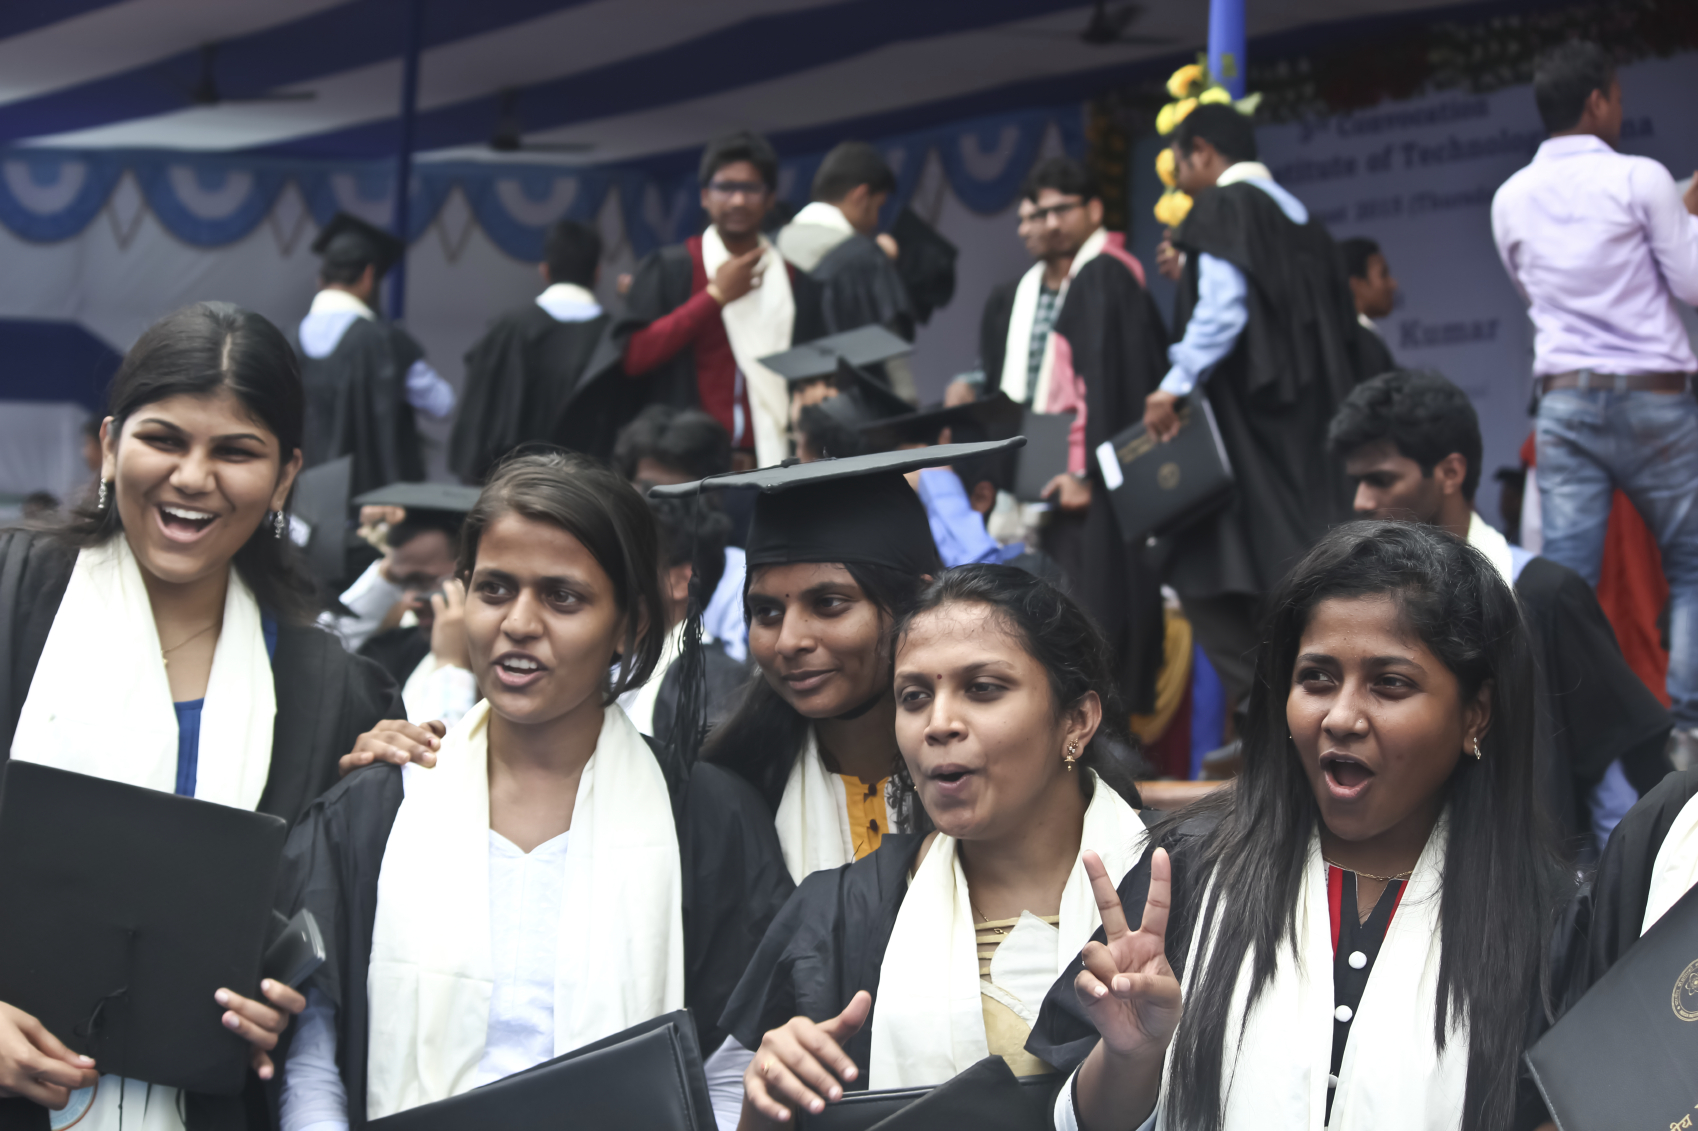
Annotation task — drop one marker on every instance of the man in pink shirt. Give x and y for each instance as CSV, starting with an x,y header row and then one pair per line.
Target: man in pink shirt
x,y
1601,245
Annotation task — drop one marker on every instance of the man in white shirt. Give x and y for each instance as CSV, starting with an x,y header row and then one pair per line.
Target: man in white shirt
x,y
363,377
1601,245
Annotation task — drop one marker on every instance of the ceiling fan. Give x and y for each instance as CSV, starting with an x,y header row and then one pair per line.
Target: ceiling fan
x,y
205,91
1108,28
509,135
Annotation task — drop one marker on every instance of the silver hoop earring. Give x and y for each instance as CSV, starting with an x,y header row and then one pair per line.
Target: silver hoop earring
x,y
277,524
100,499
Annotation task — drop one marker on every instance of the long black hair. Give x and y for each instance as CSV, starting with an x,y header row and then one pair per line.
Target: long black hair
x,y
761,739
1501,876
200,351
605,513
1064,641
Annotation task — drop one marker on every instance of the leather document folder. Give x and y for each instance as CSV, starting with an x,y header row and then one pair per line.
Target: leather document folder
x,y
649,1076
1626,1055
1045,454
125,910
1159,488
986,1097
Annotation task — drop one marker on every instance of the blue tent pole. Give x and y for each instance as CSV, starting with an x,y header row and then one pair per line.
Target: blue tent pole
x,y
1226,44
404,158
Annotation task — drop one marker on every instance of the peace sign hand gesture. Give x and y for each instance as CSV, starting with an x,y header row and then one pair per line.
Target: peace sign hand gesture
x,y
1127,987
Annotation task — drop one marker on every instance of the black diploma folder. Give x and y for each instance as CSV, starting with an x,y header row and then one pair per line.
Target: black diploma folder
x,y
1045,454
986,1097
649,1076
1626,1055
125,910
1159,488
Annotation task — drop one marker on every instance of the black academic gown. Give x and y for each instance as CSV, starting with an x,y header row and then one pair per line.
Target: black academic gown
x,y
725,679
1372,352
734,881
398,651
855,284
1273,395
357,404
993,332
326,699
1120,352
1593,708
533,378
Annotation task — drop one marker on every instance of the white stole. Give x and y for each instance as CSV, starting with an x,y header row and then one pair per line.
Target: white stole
x,y
1392,1077
620,957
813,816
759,324
1676,868
928,1022
1243,171
1484,538
103,637
1017,353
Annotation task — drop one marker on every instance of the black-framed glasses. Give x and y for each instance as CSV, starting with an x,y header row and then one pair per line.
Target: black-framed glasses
x,y
1040,215
733,188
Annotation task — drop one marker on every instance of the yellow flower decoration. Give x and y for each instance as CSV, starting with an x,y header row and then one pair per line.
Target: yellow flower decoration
x,y
1172,208
1174,113
1215,94
1164,167
1184,79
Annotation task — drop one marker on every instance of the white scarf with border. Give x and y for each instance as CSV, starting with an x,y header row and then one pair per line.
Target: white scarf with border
x,y
813,816
759,325
1392,1077
104,636
928,1022
621,942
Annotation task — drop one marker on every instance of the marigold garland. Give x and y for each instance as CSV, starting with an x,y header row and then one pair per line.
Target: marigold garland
x,y
1190,87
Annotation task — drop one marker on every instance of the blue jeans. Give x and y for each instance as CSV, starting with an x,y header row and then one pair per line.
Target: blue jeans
x,y
1592,442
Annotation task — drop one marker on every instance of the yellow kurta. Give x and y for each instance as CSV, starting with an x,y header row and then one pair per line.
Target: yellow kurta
x,y
868,818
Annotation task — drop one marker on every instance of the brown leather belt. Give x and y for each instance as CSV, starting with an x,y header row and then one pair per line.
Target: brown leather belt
x,y
1616,382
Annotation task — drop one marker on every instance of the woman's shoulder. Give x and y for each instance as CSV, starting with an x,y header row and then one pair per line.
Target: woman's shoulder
x,y
306,651
34,560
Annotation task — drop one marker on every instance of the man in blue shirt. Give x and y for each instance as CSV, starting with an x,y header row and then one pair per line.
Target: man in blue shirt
x,y
1266,329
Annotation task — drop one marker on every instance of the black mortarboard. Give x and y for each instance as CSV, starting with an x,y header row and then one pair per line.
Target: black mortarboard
x,y
348,241
868,345
925,260
857,511
993,418
127,908
454,497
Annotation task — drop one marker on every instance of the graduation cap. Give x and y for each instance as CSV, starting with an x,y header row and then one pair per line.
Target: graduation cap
x,y
857,511
348,241
925,261
993,418
824,357
455,498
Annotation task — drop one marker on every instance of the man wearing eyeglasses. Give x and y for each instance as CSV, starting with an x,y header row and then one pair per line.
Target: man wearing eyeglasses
x,y
1079,333
701,313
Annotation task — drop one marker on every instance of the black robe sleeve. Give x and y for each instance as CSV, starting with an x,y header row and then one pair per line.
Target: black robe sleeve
x,y
859,286
660,285
491,417
993,333
826,944
1119,350
364,381
34,571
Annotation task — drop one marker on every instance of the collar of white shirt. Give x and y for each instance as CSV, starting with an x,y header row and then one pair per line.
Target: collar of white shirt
x,y
568,302
1571,145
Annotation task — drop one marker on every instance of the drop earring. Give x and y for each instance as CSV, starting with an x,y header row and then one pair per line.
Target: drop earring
x,y
1477,750
1072,755
101,498
277,524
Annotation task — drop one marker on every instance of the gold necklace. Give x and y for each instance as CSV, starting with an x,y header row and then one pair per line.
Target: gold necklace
x,y
1370,875
986,922
165,653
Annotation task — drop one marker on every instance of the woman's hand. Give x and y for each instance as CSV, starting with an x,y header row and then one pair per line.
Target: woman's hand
x,y
396,741
35,1065
260,1024
794,1066
448,625
1127,987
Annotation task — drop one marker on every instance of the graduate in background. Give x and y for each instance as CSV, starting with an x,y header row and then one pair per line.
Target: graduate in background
x,y
1375,293
535,374
850,268
1377,882
700,313
163,637
1268,335
951,935
555,878
363,377
1411,442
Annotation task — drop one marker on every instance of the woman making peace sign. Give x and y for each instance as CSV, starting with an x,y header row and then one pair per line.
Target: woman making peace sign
x,y
1360,921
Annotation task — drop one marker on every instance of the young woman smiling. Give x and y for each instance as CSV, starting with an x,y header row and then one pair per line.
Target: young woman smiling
x,y
1376,885
552,879
1005,694
164,639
